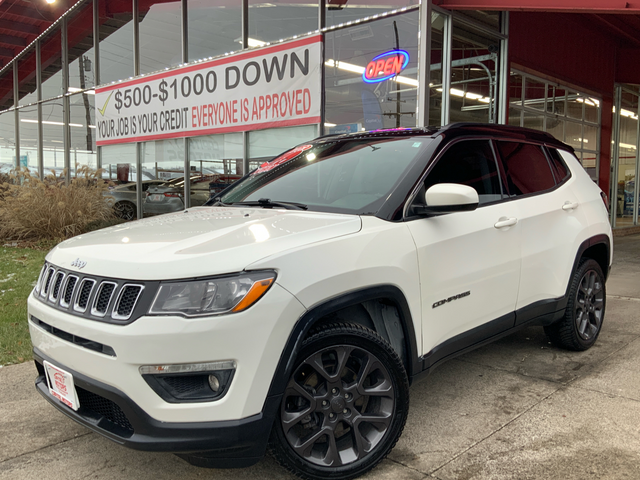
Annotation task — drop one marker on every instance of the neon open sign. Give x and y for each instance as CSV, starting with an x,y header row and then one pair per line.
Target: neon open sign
x,y
385,66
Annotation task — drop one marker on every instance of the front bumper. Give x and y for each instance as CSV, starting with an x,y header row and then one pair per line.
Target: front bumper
x,y
253,339
108,411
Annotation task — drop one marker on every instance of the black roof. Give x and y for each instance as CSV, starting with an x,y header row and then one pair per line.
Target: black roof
x,y
455,130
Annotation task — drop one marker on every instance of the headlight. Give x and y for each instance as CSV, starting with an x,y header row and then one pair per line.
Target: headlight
x,y
212,296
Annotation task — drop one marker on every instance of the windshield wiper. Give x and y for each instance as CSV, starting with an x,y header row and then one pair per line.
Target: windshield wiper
x,y
267,203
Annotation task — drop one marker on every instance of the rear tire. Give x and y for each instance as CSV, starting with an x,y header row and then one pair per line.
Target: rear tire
x,y
345,405
583,317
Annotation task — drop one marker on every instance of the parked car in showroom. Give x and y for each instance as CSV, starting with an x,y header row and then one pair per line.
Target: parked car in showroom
x,y
169,196
125,200
296,307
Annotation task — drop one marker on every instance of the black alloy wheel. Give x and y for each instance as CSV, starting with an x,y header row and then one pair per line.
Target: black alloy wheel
x,y
125,210
344,407
582,321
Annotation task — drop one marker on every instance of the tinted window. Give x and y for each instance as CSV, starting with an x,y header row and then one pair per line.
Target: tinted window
x,y
526,168
469,163
557,165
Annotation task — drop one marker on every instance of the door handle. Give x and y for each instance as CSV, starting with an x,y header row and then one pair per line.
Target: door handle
x,y
504,222
570,206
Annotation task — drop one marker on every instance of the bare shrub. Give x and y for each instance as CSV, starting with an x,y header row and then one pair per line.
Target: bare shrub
x,y
31,208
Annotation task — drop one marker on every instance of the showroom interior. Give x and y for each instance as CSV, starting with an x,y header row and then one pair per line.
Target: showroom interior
x,y
568,67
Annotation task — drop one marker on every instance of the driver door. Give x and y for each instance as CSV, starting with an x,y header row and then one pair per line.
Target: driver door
x,y
469,261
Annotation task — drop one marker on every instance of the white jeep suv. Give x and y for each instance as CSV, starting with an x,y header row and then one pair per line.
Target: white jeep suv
x,y
295,309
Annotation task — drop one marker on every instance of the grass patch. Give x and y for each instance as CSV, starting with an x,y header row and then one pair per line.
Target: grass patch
x,y
19,269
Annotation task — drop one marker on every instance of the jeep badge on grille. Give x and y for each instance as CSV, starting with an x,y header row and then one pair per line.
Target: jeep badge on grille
x,y
78,263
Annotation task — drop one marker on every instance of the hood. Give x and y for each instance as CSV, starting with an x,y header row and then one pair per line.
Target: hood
x,y
197,242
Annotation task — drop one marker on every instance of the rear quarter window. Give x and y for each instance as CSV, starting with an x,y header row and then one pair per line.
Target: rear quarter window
x,y
560,170
526,167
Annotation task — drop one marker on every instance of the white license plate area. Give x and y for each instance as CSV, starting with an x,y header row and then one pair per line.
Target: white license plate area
x,y
156,197
61,385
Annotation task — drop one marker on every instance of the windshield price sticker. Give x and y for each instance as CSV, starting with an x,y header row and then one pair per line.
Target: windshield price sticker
x,y
268,87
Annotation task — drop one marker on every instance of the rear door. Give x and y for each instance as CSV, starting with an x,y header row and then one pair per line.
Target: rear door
x,y
550,217
469,261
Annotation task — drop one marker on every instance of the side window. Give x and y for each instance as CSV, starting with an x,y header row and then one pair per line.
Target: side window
x,y
557,165
526,168
470,163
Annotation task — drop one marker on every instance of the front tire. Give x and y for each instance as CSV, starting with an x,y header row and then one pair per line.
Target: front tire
x,y
125,210
345,405
583,317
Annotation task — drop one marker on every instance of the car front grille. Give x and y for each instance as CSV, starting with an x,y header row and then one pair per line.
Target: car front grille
x,y
98,298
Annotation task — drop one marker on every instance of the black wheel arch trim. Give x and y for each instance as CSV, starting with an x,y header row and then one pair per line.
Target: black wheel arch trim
x,y
306,322
584,246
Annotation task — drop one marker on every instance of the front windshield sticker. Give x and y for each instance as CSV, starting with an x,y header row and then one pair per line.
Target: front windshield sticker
x,y
285,157
416,144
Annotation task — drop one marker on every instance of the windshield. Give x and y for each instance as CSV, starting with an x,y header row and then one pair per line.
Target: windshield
x,y
343,176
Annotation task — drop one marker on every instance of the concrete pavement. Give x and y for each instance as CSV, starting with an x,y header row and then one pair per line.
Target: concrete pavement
x,y
516,409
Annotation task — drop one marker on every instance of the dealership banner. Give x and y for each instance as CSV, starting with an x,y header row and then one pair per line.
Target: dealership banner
x,y
274,86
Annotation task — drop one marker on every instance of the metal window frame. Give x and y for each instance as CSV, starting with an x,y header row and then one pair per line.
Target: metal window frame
x,y
66,104
424,63
16,113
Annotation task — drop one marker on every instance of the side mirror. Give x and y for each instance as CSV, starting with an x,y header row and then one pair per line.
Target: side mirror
x,y
448,198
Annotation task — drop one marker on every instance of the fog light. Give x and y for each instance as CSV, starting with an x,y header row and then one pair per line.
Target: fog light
x,y
194,382
214,383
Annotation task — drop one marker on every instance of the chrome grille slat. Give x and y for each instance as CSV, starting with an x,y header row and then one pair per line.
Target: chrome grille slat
x,y
126,301
84,293
68,290
47,282
88,296
54,287
39,282
103,298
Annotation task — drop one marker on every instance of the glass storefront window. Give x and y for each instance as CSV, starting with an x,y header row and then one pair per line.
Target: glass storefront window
x,y
52,137
83,131
366,103
29,138
7,141
533,120
116,40
51,64
6,89
271,21
265,145
575,102
119,165
573,135
160,35
214,27
80,45
625,176
216,154
163,160
570,116
555,126
343,11
124,155
474,60
27,77
534,94
435,82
